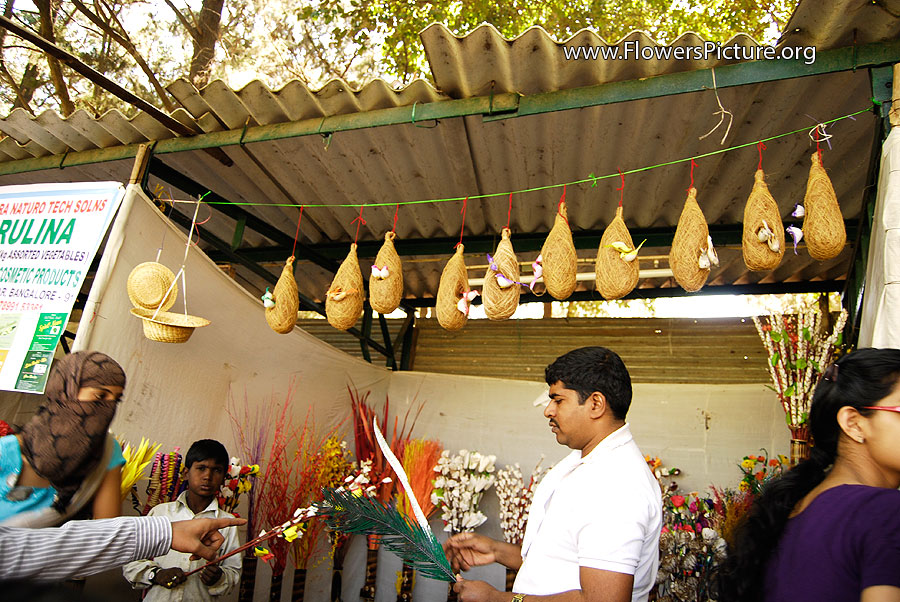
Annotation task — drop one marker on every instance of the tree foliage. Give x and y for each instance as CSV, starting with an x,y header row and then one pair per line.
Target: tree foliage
x,y
144,44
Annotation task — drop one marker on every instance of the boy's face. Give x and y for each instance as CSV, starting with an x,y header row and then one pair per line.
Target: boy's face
x,y
205,477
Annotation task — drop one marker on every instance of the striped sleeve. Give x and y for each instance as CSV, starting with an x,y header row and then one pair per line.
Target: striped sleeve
x,y
81,548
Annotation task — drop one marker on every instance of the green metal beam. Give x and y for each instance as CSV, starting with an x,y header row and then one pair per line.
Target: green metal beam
x,y
513,104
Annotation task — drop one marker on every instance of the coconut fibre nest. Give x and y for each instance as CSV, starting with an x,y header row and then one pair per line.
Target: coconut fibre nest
x,y
559,259
344,300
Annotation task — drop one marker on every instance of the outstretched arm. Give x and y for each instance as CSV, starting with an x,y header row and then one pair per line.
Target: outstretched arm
x,y
81,548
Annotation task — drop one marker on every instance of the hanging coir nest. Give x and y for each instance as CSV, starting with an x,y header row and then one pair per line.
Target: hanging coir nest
x,y
453,286
501,281
344,300
558,258
386,281
283,315
616,276
763,238
823,224
689,244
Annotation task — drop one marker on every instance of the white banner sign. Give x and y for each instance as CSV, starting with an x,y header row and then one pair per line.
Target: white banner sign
x,y
49,234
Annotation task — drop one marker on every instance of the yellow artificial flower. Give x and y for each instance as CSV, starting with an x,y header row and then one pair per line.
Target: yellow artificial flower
x,y
748,464
744,486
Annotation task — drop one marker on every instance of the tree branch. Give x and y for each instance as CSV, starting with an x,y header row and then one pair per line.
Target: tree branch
x,y
56,75
191,29
125,42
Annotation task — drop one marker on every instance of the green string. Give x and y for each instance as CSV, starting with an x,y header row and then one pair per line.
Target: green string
x,y
590,179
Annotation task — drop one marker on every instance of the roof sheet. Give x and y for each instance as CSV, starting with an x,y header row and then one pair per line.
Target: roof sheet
x,y
472,156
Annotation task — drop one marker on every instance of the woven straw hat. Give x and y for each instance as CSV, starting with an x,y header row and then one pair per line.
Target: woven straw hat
x,y
168,327
147,285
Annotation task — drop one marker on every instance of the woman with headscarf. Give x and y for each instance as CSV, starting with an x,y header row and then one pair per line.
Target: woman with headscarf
x,y
64,459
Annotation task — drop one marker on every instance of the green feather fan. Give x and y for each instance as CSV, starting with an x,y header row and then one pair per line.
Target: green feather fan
x,y
350,513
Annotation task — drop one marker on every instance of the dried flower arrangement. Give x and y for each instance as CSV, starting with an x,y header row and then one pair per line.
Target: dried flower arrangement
x,y
461,482
799,350
515,499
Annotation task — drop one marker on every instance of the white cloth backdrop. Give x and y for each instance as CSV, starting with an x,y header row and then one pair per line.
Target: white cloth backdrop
x,y
880,325
179,393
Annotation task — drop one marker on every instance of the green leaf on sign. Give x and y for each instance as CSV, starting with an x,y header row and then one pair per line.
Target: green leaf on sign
x,y
774,359
817,367
787,419
840,339
806,335
790,391
792,365
776,336
803,417
801,363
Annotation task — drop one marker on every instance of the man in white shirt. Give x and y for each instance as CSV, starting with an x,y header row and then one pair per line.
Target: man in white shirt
x,y
594,524
206,464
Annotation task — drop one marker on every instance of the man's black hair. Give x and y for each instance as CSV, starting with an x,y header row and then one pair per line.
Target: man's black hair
x,y
590,369
206,449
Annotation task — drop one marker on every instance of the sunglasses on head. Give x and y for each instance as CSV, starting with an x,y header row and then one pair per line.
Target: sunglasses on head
x,y
886,408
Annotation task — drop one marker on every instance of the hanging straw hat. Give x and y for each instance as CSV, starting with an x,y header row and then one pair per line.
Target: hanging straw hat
x,y
344,300
500,302
823,224
453,285
689,243
386,280
147,285
762,242
559,259
616,276
168,327
283,315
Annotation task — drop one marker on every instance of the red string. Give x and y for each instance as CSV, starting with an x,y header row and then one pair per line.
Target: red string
x,y
509,213
297,235
622,187
396,211
359,222
463,211
559,205
761,146
693,165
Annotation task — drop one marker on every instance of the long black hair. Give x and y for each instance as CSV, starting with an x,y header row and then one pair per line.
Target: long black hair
x,y
859,379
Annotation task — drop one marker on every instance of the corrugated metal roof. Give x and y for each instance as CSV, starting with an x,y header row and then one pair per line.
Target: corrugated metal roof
x,y
469,155
700,351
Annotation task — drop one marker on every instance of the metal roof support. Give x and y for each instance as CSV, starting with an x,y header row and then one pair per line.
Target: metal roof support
x,y
391,358
513,104
367,331
409,342
159,169
855,284
305,302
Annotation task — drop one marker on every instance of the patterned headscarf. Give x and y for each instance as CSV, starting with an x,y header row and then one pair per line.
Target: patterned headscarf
x,y
65,439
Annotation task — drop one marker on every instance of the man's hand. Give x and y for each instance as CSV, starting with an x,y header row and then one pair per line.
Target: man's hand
x,y
474,591
200,537
210,575
169,578
466,550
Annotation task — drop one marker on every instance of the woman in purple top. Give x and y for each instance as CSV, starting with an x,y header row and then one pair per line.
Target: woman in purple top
x,y
829,529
